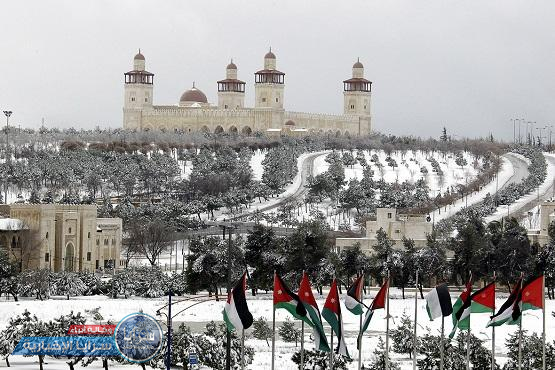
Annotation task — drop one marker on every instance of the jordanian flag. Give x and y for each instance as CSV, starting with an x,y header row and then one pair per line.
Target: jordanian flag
x,y
510,307
284,298
462,309
438,302
332,314
353,300
306,296
533,294
483,300
377,303
236,312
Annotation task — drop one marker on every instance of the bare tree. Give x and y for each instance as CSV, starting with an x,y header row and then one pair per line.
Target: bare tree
x,y
149,238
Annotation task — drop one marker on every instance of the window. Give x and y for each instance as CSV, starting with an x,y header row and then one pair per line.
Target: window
x,y
277,100
225,106
365,107
397,231
97,264
89,234
88,256
113,241
352,106
146,100
263,100
97,241
105,241
132,99
69,231
47,235
389,215
46,257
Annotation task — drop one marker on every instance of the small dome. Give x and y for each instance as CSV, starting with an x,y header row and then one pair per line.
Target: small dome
x,y
231,65
193,95
289,123
358,64
139,56
270,55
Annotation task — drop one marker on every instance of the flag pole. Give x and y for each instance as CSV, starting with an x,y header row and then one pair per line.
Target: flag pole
x,y
387,327
273,329
415,322
543,332
520,331
468,331
243,349
441,346
360,328
302,344
493,330
331,347
302,335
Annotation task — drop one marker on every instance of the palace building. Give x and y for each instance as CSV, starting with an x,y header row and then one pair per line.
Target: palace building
x,y
194,113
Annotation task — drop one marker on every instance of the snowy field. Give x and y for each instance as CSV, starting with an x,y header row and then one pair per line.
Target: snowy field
x,y
261,306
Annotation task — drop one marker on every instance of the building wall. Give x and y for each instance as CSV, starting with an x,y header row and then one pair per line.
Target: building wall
x,y
396,226
55,227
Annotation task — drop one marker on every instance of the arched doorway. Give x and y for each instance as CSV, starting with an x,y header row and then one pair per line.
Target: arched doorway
x,y
246,130
69,258
205,129
219,130
233,130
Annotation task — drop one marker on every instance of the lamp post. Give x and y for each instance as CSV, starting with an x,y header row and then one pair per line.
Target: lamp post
x,y
7,113
513,120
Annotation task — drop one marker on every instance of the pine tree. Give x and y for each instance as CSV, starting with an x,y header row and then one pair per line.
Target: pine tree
x,y
261,330
443,136
288,332
402,336
532,348
320,360
378,360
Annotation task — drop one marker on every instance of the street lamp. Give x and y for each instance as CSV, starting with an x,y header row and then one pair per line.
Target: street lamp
x,y
7,113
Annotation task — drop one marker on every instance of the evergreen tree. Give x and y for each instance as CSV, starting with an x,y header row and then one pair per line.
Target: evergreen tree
x,y
378,360
532,348
470,249
443,136
261,330
402,336
8,275
320,360
288,332
262,251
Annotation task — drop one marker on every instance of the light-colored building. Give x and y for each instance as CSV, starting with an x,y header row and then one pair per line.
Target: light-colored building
x,y
194,113
547,216
60,237
396,226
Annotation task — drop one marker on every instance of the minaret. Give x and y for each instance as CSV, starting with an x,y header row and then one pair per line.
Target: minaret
x,y
138,92
269,84
231,91
357,92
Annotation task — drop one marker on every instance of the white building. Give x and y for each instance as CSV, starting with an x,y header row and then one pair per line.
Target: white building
x,y
396,226
194,113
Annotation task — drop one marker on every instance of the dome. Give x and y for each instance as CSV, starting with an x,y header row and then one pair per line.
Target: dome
x,y
270,55
139,56
231,65
358,64
289,123
193,95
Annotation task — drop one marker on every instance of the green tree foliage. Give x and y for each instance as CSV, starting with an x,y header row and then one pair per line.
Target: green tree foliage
x,y
288,332
470,248
261,330
378,358
532,349
513,253
402,336
320,360
263,251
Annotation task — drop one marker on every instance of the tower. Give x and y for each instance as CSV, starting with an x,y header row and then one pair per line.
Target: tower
x,y
231,91
138,92
357,92
269,84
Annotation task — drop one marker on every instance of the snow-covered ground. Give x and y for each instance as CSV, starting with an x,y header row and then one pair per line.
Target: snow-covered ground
x,y
503,177
261,306
545,190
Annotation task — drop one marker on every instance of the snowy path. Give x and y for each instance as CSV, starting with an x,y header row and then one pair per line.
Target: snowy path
x,y
296,190
545,191
513,169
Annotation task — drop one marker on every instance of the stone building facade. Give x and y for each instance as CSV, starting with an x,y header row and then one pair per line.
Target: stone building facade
x,y
194,113
547,216
396,226
62,237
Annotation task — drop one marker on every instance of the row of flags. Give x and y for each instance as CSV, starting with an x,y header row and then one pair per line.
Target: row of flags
x,y
302,306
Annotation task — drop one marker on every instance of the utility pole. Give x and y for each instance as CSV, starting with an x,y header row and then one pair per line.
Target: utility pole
x,y
7,113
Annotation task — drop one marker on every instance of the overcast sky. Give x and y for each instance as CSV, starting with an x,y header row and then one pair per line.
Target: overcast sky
x,y
469,65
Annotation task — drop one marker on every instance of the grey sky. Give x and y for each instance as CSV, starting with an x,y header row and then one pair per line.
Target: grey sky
x,y
470,65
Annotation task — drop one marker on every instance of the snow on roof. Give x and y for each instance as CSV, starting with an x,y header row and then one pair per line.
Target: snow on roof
x,y
299,129
7,224
274,129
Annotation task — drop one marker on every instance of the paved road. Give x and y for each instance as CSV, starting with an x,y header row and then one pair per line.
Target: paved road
x,y
520,169
307,169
